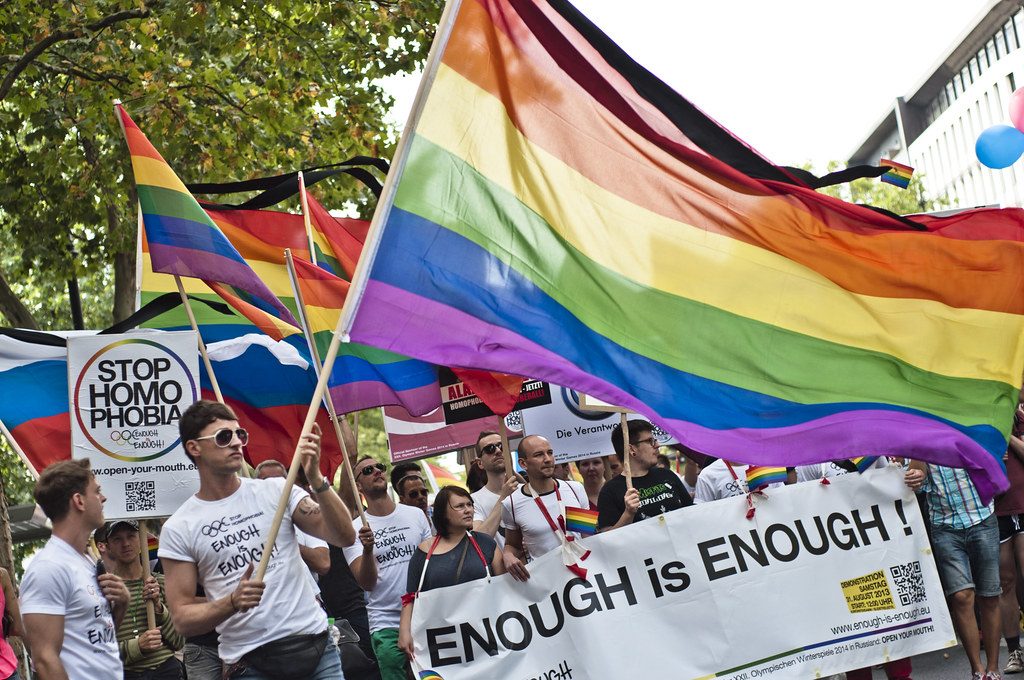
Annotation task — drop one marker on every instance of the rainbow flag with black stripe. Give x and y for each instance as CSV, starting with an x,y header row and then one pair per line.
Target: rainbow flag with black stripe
x,y
582,521
362,376
554,198
863,463
762,476
183,240
897,174
430,675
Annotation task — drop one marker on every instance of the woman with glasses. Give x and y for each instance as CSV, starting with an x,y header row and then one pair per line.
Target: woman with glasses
x,y
457,554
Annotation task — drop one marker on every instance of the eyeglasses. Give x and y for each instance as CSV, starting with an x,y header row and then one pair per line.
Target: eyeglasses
x,y
370,469
459,507
224,436
491,448
650,440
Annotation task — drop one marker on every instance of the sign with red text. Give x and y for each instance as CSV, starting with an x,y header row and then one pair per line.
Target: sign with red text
x,y
843,572
127,393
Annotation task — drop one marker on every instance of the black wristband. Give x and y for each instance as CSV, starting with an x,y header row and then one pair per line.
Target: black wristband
x,y
323,487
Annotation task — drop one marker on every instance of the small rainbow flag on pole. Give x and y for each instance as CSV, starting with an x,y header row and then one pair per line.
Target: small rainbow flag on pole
x,y
862,463
898,174
761,476
153,546
582,521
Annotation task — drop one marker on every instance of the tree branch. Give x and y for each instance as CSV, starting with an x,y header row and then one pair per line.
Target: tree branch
x,y
61,36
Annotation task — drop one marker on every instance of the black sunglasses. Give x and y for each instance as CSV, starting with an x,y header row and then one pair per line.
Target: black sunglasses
x,y
491,448
225,435
369,469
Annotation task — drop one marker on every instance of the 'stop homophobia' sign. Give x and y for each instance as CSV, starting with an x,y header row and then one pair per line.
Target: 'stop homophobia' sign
x,y
127,396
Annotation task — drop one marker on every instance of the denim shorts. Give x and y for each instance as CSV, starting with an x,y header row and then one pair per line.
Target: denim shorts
x,y
968,558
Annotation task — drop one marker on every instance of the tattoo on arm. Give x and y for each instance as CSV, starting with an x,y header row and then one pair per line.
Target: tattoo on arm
x,y
308,507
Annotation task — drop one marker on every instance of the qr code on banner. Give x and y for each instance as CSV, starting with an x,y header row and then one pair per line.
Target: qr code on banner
x,y
909,583
139,496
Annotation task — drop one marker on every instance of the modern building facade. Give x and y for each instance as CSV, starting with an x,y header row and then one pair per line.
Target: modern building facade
x,y
934,128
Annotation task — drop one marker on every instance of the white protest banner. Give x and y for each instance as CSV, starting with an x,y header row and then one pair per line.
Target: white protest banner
x,y
821,580
577,433
127,393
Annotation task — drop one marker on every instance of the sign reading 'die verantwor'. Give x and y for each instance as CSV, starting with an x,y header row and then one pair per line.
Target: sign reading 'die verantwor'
x,y
127,393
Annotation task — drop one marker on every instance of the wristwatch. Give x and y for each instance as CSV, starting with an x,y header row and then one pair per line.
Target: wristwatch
x,y
323,487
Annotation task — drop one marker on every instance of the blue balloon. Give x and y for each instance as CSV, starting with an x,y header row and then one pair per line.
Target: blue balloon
x,y
999,146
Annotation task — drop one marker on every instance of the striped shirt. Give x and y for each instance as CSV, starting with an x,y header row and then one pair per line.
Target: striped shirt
x,y
952,499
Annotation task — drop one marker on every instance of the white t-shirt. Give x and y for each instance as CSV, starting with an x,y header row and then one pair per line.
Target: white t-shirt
x,y
395,538
715,482
520,511
484,501
222,538
807,473
62,581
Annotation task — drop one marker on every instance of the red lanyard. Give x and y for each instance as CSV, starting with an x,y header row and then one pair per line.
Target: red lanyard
x,y
547,515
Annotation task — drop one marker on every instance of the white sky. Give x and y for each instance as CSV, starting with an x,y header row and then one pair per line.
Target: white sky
x,y
785,76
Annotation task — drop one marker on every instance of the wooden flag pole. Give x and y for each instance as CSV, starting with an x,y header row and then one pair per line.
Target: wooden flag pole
x,y
304,204
626,468
18,450
506,449
293,470
303,319
146,573
245,471
202,345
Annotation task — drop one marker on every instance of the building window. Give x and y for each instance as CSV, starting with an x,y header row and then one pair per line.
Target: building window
x,y
990,50
965,77
972,66
1011,35
1013,81
1000,43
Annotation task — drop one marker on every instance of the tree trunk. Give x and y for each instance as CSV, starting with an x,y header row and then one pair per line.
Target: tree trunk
x,y
124,272
16,313
6,542
124,286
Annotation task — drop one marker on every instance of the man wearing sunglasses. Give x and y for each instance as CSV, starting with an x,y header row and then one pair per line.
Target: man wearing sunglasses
x,y
487,500
380,561
413,492
655,490
268,629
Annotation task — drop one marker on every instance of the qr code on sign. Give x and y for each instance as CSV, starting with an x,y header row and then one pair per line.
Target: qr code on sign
x,y
139,496
909,583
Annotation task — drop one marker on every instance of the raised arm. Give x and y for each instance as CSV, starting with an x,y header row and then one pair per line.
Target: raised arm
x,y
364,567
327,518
489,524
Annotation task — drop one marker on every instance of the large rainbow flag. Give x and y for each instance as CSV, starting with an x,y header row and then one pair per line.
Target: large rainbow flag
x,y
556,211
183,240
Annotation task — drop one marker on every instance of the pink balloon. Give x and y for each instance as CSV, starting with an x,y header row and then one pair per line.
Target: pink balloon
x,y
1017,109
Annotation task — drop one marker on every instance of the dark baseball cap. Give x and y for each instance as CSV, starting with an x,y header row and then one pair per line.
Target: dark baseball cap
x,y
104,531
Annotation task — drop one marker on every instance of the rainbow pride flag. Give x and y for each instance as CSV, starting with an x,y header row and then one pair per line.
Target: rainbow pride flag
x,y
583,522
553,197
442,476
863,463
897,174
184,240
430,675
763,476
363,376
337,241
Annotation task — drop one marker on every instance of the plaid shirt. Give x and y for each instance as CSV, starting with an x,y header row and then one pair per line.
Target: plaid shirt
x,y
952,499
